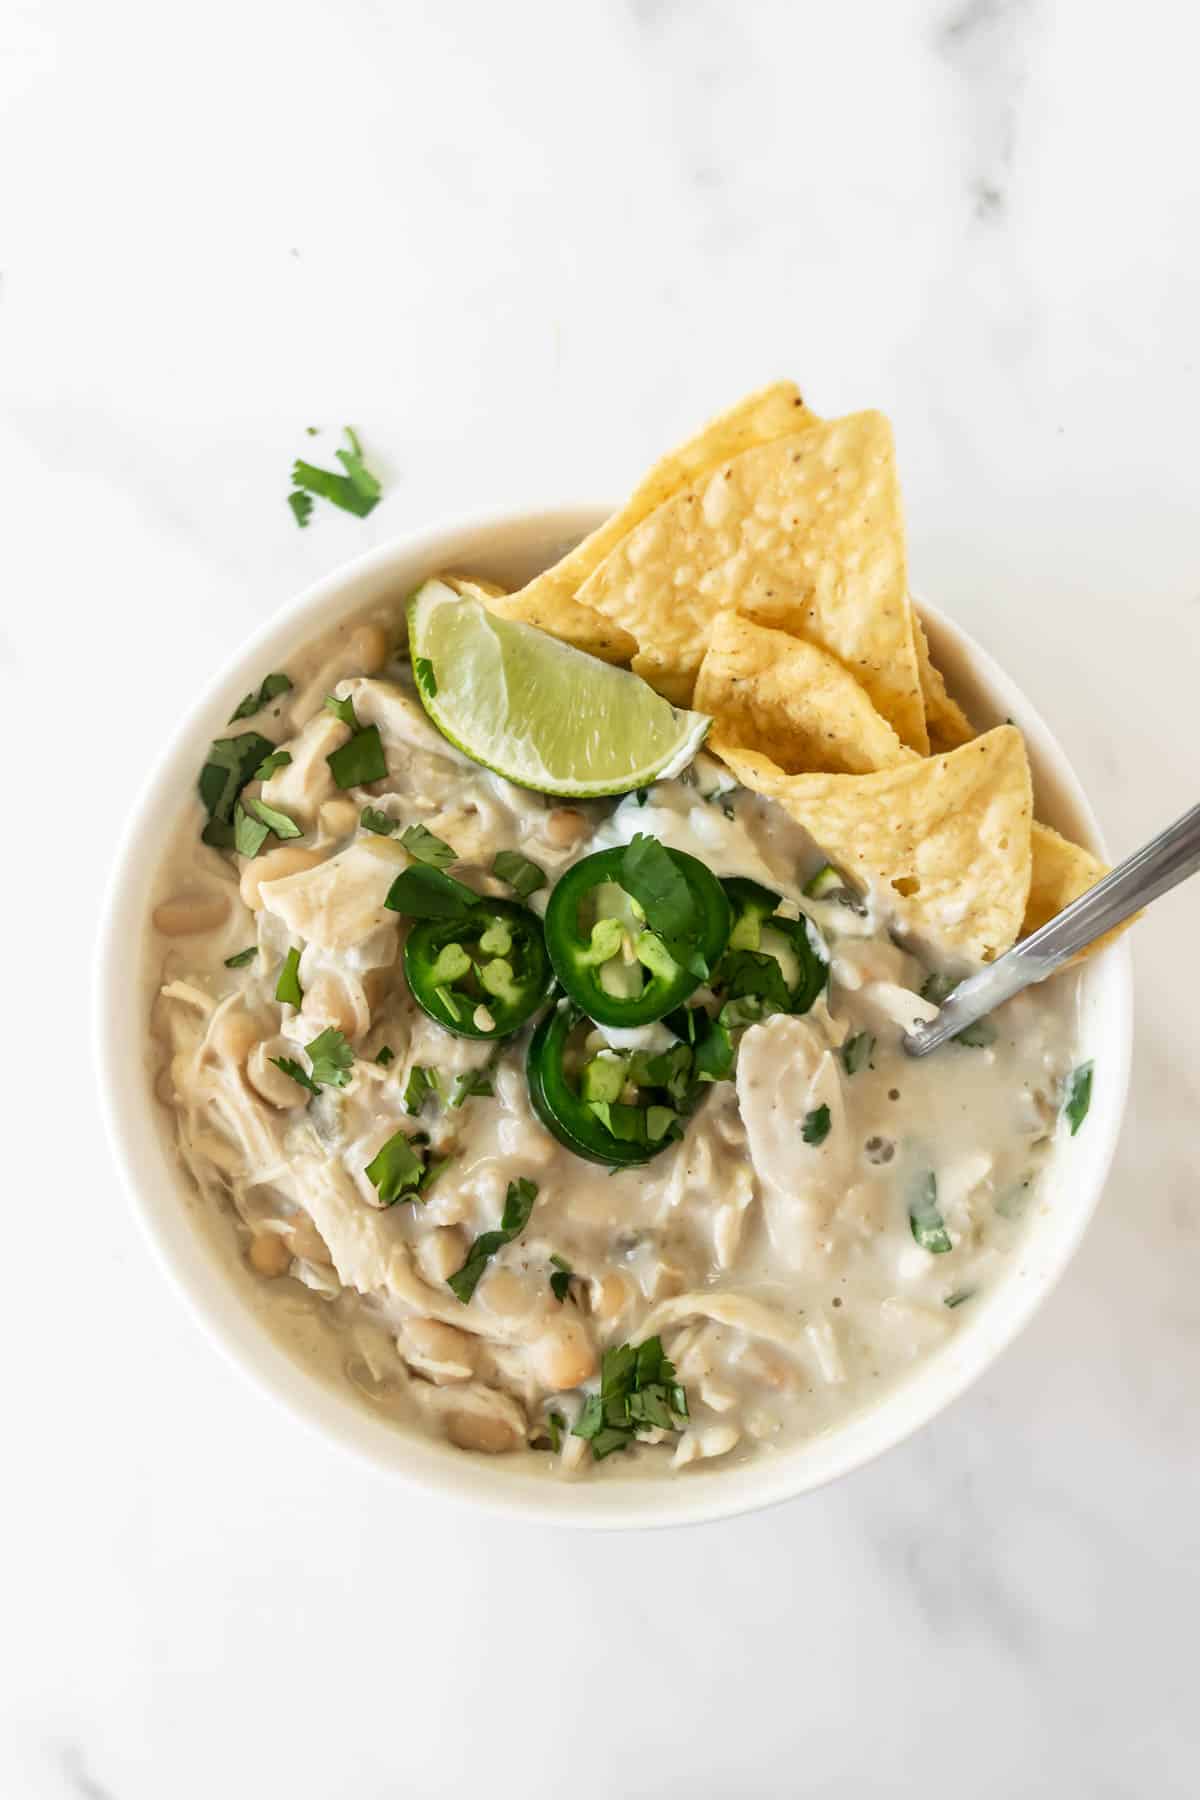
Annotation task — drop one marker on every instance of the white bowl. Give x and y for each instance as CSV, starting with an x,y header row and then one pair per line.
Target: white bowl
x,y
511,548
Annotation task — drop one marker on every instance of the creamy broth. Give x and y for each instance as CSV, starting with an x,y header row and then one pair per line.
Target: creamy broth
x,y
784,1276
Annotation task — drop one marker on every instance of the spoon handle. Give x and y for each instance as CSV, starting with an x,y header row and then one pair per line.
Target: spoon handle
x,y
1157,867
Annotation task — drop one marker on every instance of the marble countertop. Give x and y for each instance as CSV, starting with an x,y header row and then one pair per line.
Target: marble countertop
x,y
523,248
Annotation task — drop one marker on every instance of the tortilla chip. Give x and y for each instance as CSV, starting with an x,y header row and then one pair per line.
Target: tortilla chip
x,y
804,534
945,838
946,722
568,621
793,702
474,587
1061,872
549,601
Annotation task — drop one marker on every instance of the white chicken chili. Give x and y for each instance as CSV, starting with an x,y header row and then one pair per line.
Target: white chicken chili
x,y
415,1077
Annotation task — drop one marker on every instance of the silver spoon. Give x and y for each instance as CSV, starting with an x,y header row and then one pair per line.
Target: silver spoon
x,y
1157,867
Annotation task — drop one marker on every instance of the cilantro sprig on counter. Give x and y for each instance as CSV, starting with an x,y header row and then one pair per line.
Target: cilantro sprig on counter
x,y
356,490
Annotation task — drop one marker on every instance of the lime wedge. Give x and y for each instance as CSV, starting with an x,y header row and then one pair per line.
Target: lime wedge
x,y
539,712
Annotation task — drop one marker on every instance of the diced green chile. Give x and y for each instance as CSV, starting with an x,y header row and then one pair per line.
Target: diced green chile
x,y
450,983
579,950
925,1216
752,906
609,1131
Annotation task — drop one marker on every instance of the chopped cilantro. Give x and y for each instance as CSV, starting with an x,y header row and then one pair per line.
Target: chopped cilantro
x,y
399,1171
357,491
386,1055
351,460
643,794
753,974
331,1057
712,1045
976,1036
816,1125
275,821
650,877
421,1083
523,877
296,1072
1078,1096
249,835
638,1392
343,710
231,764
554,1425
856,1051
242,958
560,1280
937,988
959,1297
422,892
360,760
330,1060
714,1050
422,844
271,686
518,1204
278,759
378,822
301,505
287,988
474,1084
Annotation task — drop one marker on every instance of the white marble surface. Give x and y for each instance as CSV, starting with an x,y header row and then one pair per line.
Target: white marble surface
x,y
523,247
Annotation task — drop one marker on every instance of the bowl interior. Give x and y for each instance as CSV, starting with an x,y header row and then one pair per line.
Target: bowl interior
x,y
510,549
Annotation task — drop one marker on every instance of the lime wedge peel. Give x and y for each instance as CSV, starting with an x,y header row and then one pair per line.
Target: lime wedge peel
x,y
538,712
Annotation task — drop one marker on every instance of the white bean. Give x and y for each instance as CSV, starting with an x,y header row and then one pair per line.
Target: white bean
x,y
564,1355
482,1431
235,1034
440,1253
367,650
338,818
269,1255
273,1085
564,827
